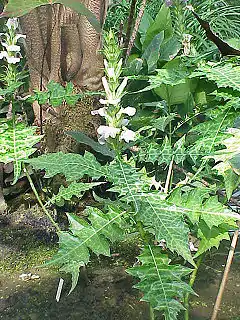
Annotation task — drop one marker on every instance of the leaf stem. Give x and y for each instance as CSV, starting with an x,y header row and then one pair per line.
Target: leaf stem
x,y
191,283
39,200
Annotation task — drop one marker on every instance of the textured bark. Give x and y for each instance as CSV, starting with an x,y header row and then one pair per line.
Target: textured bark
x,y
63,46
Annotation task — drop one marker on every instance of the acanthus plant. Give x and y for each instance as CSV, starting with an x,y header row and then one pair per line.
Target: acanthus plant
x,y
166,215
17,139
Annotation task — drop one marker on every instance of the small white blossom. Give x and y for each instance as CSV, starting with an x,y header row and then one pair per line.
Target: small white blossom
x,y
11,47
122,87
12,23
110,72
130,111
19,35
106,87
192,247
105,132
102,112
127,135
110,101
10,59
3,54
124,122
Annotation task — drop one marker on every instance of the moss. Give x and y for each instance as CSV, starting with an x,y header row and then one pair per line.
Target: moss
x,y
23,249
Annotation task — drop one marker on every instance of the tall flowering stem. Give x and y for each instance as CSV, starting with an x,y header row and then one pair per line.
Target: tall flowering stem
x,y
115,132
11,53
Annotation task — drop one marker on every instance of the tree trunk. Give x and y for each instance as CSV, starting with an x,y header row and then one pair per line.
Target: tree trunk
x,y
63,46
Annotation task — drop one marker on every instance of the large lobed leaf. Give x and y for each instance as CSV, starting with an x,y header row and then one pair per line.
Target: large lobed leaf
x,y
16,144
93,235
166,222
74,189
161,282
72,166
225,76
210,133
226,166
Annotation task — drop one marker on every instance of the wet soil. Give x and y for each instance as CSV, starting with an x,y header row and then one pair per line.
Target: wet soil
x,y
104,293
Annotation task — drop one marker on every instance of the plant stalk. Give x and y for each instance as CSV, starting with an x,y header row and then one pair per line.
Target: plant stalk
x,y
39,200
225,275
191,283
135,29
168,180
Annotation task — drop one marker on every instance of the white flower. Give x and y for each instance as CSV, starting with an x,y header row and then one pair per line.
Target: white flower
x,y
192,247
110,101
102,112
105,132
106,87
10,59
130,111
110,72
125,122
3,54
12,23
11,47
127,135
19,35
122,87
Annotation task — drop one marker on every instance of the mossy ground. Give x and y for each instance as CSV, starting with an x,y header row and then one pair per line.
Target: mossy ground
x,y
106,294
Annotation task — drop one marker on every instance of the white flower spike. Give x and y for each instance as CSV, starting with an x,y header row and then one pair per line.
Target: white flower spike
x,y
12,23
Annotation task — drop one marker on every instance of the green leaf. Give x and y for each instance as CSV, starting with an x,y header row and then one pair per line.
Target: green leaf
x,y
151,53
18,8
161,282
70,97
179,150
224,159
162,22
127,180
16,144
211,237
72,166
74,189
94,235
161,122
167,224
57,94
225,76
197,204
170,49
97,147
210,133
165,153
